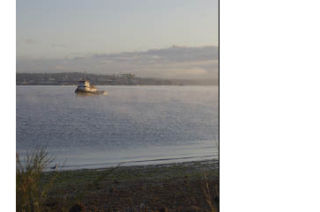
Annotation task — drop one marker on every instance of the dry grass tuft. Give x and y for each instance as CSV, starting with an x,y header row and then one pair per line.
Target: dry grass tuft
x,y
211,194
31,193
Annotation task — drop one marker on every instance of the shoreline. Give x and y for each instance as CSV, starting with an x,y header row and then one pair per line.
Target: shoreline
x,y
175,186
135,164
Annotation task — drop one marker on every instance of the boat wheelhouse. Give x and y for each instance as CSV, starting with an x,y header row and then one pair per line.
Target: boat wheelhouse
x,y
85,86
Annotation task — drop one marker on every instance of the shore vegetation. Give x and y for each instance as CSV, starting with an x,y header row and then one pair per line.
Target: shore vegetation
x,y
189,186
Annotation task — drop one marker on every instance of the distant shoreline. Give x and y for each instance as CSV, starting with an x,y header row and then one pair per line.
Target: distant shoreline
x,y
71,78
119,85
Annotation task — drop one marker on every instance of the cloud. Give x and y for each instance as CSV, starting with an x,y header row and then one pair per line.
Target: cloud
x,y
29,41
173,54
57,45
173,62
185,73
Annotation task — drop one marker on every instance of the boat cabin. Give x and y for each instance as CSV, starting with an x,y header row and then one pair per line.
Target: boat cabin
x,y
85,87
84,83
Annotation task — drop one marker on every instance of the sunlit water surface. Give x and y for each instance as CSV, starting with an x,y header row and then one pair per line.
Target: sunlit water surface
x,y
133,125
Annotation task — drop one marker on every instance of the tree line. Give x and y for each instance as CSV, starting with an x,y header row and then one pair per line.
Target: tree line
x,y
99,79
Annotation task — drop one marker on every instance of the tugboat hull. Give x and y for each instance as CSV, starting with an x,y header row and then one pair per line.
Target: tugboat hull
x,y
83,92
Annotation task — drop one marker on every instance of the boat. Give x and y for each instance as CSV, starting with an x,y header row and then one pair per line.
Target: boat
x,y
84,87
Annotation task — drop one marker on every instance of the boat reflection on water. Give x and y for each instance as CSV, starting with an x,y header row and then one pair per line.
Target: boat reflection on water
x,y
85,89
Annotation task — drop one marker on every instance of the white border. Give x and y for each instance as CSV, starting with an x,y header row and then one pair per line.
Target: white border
x,y
269,105
8,104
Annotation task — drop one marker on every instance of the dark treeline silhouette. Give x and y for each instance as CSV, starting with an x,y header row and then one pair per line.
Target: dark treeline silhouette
x,y
98,79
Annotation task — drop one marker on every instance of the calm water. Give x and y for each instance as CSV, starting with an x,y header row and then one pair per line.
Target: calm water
x,y
132,124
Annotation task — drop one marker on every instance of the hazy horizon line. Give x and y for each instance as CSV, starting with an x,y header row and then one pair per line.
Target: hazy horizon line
x,y
91,54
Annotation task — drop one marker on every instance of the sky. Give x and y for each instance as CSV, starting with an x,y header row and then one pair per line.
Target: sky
x,y
61,32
